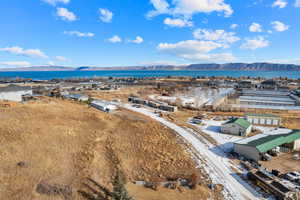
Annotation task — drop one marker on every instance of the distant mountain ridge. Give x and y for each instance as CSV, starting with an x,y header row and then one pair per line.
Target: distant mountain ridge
x,y
212,66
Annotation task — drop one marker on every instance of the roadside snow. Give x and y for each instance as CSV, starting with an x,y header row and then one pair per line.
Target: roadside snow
x,y
225,141
217,164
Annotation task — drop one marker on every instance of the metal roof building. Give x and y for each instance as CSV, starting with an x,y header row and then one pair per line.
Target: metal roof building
x,y
14,92
237,126
104,105
253,147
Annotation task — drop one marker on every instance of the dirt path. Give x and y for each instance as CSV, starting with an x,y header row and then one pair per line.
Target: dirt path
x,y
235,187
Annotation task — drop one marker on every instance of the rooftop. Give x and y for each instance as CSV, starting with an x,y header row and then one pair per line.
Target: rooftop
x,y
240,121
266,142
269,82
14,88
261,115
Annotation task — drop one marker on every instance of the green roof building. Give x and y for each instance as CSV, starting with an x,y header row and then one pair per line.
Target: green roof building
x,y
237,126
253,147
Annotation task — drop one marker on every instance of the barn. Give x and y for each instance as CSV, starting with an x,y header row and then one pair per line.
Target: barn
x,y
253,147
14,92
237,126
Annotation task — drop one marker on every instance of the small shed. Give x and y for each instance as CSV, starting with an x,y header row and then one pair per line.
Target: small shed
x,y
237,126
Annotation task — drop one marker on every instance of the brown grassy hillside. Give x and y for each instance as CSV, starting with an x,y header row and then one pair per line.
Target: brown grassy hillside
x,y
60,143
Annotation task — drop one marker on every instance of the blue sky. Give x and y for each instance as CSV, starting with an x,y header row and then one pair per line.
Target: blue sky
x,y
135,32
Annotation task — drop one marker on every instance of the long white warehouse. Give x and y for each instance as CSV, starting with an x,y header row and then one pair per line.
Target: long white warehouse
x,y
105,106
14,92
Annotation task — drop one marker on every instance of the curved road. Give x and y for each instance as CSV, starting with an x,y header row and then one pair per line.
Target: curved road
x,y
235,187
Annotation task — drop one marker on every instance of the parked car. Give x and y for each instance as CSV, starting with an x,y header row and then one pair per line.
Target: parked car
x,y
266,157
196,120
290,177
297,174
136,105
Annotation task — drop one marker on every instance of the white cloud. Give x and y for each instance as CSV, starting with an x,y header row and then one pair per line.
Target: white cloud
x,y
218,57
234,26
178,22
65,14
220,36
195,50
51,63
79,34
286,61
187,8
188,47
160,62
279,26
161,6
255,27
54,2
297,3
25,52
280,3
137,40
105,15
255,43
115,39
61,58
16,63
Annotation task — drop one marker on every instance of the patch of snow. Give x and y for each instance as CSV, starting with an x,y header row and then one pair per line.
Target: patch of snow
x,y
217,165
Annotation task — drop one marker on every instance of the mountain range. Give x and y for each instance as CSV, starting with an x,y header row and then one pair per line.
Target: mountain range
x,y
227,66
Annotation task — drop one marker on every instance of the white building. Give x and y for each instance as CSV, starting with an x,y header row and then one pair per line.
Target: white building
x,y
77,97
14,92
104,105
264,119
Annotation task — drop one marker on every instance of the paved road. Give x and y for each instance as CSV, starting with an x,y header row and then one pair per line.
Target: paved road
x,y
235,187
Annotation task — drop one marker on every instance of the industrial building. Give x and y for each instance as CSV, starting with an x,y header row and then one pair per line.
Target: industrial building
x,y
266,98
76,97
237,126
264,119
254,147
14,92
104,106
269,85
154,104
245,84
168,108
138,100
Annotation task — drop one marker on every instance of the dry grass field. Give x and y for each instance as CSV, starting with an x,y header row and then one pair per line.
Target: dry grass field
x,y
123,93
61,143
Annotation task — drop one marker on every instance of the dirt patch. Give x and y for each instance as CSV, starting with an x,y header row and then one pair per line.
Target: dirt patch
x,y
123,93
201,192
284,163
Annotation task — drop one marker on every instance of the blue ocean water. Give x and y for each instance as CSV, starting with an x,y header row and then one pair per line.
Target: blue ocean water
x,y
46,75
